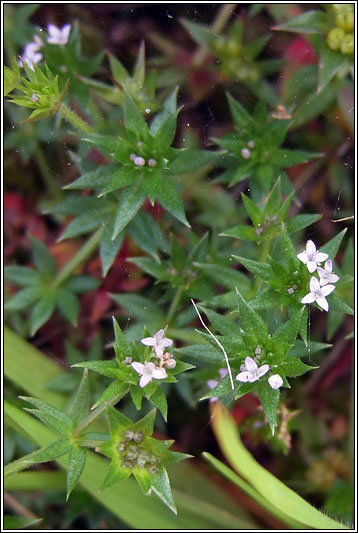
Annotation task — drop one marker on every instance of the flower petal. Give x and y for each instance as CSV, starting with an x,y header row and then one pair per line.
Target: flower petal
x,y
275,381
328,266
314,284
144,380
159,335
166,342
148,341
322,302
138,367
250,364
327,290
263,369
253,377
309,298
212,383
302,257
159,373
320,257
332,278
311,265
243,376
310,248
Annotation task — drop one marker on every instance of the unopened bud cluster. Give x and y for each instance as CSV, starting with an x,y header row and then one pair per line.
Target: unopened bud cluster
x,y
135,455
245,152
139,161
268,221
342,36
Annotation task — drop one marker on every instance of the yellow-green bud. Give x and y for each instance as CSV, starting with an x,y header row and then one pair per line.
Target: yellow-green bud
x,y
345,21
335,37
219,44
347,45
343,8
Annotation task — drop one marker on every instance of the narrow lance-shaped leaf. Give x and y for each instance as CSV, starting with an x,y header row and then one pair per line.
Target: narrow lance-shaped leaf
x,y
269,399
80,406
250,321
76,463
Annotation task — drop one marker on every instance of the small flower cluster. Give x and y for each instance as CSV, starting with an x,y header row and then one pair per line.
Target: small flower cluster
x,y
149,371
342,36
134,455
319,288
139,161
31,54
268,221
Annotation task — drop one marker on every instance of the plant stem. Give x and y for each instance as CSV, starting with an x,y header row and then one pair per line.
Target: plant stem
x,y
78,258
221,19
96,413
74,119
175,304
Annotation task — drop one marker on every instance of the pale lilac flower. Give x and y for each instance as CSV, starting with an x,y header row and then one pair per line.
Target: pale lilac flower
x,y
158,341
213,382
57,35
252,372
31,53
311,257
246,154
325,274
318,294
148,372
139,161
275,381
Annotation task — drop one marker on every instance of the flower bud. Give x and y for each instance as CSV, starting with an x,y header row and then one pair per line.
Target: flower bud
x,y
152,162
345,21
138,436
246,154
347,45
335,38
139,161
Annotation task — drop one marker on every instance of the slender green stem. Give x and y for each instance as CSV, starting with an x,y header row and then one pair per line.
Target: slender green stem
x,y
78,258
74,119
175,303
95,414
221,19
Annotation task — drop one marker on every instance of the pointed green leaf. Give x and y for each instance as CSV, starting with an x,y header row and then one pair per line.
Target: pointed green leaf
x,y
308,22
269,399
41,312
68,304
137,396
245,233
262,270
227,277
330,62
96,179
190,160
299,222
250,321
116,388
122,177
285,335
139,69
148,234
107,368
64,422
22,276
131,201
293,367
76,463
19,522
274,201
161,487
119,73
200,33
159,400
86,223
114,474
169,198
331,247
80,406
117,421
122,347
240,116
143,478
42,258
134,121
108,248
253,211
146,424
23,299
48,453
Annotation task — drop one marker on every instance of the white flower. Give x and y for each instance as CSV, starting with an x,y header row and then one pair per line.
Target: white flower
x,y
57,35
148,371
325,274
275,381
139,161
31,53
311,257
252,372
318,294
246,154
158,341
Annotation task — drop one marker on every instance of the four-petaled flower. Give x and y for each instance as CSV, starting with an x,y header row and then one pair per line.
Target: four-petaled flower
x,y
318,294
252,372
311,257
148,372
275,381
57,35
325,274
158,341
